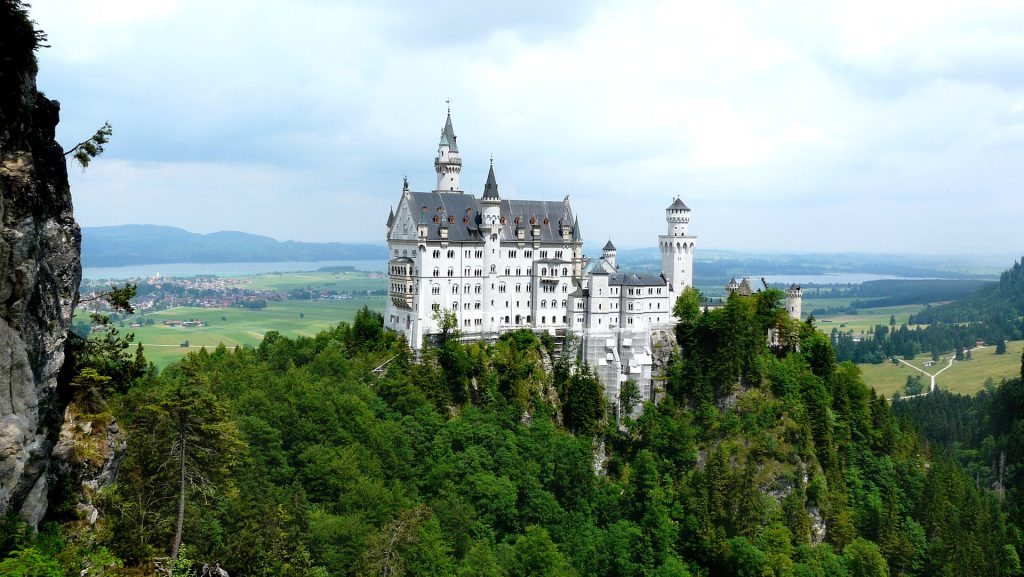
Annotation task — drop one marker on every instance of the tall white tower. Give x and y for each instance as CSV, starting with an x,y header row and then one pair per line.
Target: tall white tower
x,y
677,248
448,163
490,227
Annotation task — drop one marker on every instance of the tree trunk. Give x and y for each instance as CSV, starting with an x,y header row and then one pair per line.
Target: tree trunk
x,y
181,497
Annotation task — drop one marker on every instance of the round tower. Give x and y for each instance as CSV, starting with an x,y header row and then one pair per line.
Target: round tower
x,y
490,228
794,301
448,163
677,247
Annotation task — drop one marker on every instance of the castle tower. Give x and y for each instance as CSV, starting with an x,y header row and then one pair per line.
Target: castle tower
x,y
677,248
608,253
448,163
490,227
794,301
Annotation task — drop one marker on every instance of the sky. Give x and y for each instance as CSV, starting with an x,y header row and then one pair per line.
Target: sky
x,y
785,125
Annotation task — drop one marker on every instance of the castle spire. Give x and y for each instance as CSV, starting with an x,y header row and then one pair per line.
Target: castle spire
x,y
491,187
448,164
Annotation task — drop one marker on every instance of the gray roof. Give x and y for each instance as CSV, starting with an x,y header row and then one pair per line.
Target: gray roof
x,y
465,209
636,279
608,245
576,235
491,186
678,204
552,261
448,135
391,217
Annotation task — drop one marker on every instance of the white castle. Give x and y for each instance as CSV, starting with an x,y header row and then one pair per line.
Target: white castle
x,y
500,265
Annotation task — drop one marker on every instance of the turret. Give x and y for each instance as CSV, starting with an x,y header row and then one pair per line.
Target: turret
x,y
448,163
677,247
491,202
608,253
490,226
794,301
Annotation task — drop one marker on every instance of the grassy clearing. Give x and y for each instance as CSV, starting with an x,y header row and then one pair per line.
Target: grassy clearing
x,y
236,326
338,281
965,377
866,319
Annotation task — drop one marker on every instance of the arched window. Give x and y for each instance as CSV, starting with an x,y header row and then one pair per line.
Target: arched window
x,y
451,272
467,271
565,271
543,304
451,254
563,306
437,272
508,271
544,271
455,289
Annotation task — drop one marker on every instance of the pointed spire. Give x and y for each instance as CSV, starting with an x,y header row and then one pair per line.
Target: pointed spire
x,y
391,217
448,137
491,187
608,245
576,236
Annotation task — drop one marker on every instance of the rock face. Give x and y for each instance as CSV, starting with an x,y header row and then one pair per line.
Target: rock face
x,y
40,273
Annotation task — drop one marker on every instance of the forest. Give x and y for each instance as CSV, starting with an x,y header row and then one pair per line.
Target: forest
x,y
343,454
992,314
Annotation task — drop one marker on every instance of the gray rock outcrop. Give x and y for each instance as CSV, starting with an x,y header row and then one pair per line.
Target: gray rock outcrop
x,y
40,273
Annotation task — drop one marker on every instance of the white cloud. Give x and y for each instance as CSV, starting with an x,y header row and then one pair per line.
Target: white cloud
x,y
768,118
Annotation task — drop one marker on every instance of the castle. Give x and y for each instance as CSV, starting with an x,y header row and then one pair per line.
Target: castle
x,y
500,264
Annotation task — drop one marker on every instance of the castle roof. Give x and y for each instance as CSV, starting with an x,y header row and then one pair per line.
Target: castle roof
x,y
608,245
465,210
678,205
448,137
391,217
576,230
636,279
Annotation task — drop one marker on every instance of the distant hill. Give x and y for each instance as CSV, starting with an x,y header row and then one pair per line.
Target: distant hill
x,y
132,244
1000,304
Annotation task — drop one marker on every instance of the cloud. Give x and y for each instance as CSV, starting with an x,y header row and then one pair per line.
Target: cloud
x,y
774,121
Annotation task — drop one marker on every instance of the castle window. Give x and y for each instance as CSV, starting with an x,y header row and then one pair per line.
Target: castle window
x,y
455,306
465,289
528,253
544,271
564,319
435,290
451,272
435,307
558,254
396,252
467,271
543,254
476,289
476,305
543,304
455,289
478,272
437,272
565,271
451,254
437,254
563,306
519,288
501,287
508,271
519,271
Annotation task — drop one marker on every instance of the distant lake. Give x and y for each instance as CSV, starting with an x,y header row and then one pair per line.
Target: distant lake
x,y
187,269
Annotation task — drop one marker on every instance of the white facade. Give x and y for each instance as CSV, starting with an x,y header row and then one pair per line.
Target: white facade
x,y
497,264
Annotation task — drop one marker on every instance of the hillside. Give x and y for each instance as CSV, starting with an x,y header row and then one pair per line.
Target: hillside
x,y
151,244
1001,305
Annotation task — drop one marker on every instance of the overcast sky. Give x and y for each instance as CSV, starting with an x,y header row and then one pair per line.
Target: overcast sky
x,y
871,126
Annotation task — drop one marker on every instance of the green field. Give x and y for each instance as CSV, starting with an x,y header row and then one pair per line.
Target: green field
x,y
866,319
236,326
338,281
966,377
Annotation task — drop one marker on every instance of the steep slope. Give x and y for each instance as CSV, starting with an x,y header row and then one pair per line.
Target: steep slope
x,y
39,271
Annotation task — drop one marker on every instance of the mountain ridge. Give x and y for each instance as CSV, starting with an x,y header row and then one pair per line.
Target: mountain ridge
x,y
131,244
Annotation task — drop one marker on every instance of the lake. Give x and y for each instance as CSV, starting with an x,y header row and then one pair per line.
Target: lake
x,y
187,269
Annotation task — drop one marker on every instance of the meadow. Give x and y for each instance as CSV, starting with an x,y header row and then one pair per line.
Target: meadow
x,y
242,327
964,377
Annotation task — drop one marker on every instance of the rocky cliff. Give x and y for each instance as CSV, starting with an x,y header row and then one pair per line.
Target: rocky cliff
x,y
39,271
